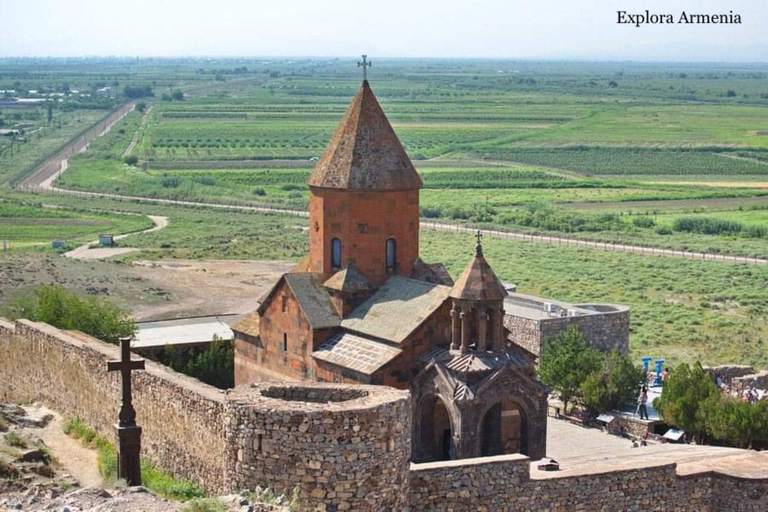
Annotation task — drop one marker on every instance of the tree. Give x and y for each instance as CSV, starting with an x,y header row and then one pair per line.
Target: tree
x,y
64,309
50,114
734,422
177,95
215,365
616,384
141,106
131,160
137,91
566,362
684,393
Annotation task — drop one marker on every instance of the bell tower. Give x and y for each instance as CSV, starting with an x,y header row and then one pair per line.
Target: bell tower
x,y
477,314
364,198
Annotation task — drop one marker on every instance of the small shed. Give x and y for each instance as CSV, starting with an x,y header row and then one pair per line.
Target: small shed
x,y
106,240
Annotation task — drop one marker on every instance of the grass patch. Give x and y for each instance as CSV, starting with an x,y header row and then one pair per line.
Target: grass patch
x,y
15,440
153,479
205,505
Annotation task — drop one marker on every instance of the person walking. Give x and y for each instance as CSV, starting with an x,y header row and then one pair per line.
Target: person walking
x,y
642,402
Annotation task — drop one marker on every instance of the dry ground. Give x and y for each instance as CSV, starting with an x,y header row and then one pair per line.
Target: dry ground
x,y
150,290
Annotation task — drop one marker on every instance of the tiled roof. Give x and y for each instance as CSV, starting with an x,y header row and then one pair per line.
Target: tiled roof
x,y
474,362
313,299
364,152
356,353
396,309
431,273
478,282
249,325
348,280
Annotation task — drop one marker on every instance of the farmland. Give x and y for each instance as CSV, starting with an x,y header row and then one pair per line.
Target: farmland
x,y
29,225
672,155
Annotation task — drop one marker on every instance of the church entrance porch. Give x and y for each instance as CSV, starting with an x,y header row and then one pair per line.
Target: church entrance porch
x,y
503,430
434,431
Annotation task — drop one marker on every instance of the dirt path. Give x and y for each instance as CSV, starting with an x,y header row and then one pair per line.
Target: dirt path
x,y
84,252
135,139
76,459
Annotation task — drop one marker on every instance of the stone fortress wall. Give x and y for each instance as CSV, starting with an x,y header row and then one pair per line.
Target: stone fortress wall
x,y
606,329
343,447
182,418
739,377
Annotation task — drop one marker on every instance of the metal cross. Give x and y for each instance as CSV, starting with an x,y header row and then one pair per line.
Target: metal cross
x,y
365,64
479,235
125,366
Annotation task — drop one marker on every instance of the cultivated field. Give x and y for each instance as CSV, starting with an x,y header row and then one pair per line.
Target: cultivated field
x,y
672,156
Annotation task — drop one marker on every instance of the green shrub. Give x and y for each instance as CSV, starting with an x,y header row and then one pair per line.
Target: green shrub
x,y
644,222
707,226
171,182
258,191
15,440
756,232
61,308
205,505
131,160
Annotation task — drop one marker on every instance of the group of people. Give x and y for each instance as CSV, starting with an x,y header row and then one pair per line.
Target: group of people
x,y
749,394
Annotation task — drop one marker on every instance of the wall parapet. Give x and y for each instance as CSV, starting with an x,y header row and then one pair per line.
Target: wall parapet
x,y
344,447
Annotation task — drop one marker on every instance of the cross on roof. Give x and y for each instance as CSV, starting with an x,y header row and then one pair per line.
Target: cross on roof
x,y
125,366
479,235
365,64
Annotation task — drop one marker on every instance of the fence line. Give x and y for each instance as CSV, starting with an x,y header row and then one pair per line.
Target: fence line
x,y
54,166
426,224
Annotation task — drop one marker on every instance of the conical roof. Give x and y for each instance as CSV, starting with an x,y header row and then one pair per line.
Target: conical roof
x,y
478,282
364,152
348,280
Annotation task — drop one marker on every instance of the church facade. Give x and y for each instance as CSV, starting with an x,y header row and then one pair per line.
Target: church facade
x,y
364,308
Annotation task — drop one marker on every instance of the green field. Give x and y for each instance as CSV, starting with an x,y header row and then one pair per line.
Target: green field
x,y
27,225
662,155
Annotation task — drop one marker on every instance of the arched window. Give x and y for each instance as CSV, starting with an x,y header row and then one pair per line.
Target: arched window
x,y
391,253
336,253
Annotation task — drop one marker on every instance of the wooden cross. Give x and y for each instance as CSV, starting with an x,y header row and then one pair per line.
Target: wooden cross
x,y
128,432
365,64
125,366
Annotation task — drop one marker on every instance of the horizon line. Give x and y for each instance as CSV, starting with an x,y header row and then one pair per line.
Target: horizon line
x,y
607,60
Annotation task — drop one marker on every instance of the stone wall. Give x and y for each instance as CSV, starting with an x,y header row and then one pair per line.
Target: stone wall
x,y
758,380
182,418
606,330
504,483
728,372
345,447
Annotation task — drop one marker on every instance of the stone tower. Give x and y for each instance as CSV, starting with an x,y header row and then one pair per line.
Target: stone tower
x,y
477,313
364,198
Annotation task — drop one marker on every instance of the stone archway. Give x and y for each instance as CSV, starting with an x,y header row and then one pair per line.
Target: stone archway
x,y
503,430
435,435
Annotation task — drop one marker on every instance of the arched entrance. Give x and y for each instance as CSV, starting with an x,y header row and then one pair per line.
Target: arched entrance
x,y
435,435
503,430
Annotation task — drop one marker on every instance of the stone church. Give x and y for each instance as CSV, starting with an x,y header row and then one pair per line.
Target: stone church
x,y
364,308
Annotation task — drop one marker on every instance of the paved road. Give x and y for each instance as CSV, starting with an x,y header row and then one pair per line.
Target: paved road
x,y
41,181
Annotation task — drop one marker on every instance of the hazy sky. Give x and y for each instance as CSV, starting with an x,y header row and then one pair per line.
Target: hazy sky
x,y
584,29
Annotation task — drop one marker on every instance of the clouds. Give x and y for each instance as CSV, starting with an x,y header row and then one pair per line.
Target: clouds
x,y
395,28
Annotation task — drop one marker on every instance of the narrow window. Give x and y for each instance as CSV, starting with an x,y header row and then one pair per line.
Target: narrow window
x,y
285,303
336,253
391,254
285,342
